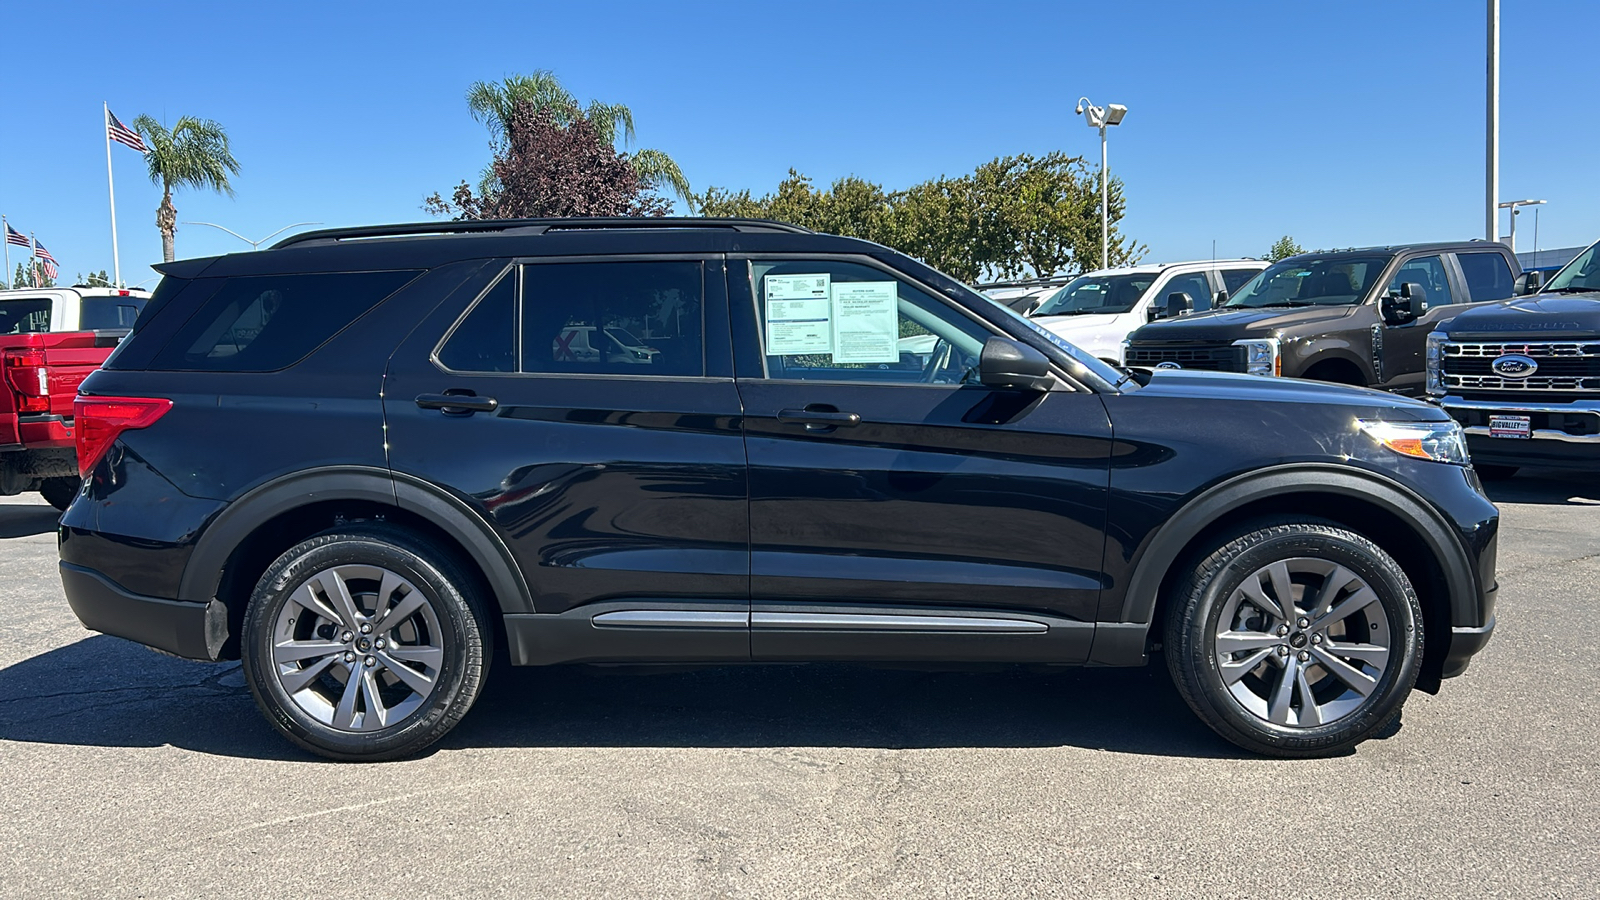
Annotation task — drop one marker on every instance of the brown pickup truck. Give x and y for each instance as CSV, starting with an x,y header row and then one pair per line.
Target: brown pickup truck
x,y
50,340
1357,317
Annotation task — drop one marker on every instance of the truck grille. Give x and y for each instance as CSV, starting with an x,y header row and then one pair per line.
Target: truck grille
x,y
1208,357
1564,366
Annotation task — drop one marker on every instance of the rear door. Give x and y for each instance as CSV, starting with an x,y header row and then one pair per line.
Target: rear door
x,y
899,509
619,485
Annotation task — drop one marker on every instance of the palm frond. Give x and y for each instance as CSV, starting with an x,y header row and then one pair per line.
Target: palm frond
x,y
194,152
660,170
607,118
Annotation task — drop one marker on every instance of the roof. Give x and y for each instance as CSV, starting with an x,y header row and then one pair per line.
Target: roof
x,y
1391,249
428,244
79,290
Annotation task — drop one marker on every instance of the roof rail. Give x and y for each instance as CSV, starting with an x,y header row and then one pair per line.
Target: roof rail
x,y
535,227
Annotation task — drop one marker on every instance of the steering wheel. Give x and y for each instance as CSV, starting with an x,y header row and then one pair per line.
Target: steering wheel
x,y
938,361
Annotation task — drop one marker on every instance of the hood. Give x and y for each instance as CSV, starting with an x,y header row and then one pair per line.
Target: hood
x,y
1197,385
1534,318
1232,324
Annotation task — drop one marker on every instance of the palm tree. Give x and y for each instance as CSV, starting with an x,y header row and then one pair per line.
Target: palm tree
x,y
194,153
493,103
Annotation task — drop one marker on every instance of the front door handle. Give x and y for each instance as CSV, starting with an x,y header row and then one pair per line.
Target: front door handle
x,y
818,417
453,404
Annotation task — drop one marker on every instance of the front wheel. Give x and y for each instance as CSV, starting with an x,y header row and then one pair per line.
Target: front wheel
x,y
1296,638
365,643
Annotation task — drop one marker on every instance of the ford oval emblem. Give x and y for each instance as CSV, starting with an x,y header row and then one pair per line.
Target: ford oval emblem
x,y
1514,366
1168,364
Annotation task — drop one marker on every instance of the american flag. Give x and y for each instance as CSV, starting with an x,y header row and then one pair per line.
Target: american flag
x,y
122,134
49,261
14,236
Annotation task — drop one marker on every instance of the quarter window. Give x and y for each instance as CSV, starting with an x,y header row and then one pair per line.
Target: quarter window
x,y
25,316
486,339
843,321
1426,272
1488,276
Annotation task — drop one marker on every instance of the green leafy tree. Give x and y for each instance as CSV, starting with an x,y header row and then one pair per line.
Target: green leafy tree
x,y
95,279
31,277
494,104
1283,248
193,153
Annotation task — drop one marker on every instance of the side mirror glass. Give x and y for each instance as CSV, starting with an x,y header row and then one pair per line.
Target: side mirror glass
x,y
1402,308
1219,299
1005,363
1179,304
1529,283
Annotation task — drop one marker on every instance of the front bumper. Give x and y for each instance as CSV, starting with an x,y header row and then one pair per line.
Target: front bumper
x,y
191,630
1465,643
1563,435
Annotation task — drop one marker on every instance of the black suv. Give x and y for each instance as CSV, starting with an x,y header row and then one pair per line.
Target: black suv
x,y
363,459
1357,317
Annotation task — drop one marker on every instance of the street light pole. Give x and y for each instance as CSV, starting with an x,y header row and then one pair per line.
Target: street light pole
x,y
1492,150
1096,117
254,245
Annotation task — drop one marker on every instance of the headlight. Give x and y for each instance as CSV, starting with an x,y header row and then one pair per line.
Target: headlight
x,y
1435,363
1438,441
1261,356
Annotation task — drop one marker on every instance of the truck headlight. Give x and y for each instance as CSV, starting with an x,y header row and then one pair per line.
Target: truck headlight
x,y
1438,441
1435,363
1261,356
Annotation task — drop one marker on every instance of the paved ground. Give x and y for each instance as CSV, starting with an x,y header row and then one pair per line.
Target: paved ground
x,y
127,773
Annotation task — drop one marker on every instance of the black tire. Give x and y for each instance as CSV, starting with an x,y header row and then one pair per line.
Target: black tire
x,y
1494,473
1195,657
59,492
451,618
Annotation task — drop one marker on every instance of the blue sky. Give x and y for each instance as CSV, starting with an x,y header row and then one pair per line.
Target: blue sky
x,y
1341,123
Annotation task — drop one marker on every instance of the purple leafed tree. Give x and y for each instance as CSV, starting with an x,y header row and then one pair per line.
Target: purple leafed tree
x,y
547,169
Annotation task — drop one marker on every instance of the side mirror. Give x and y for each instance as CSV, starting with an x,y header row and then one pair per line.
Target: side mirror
x,y
1005,363
1529,283
1219,299
1179,304
1398,310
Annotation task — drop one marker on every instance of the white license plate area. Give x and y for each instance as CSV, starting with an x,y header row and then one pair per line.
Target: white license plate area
x,y
1510,427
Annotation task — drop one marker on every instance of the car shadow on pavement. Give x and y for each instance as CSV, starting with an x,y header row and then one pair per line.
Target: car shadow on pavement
x,y
1553,487
26,521
104,691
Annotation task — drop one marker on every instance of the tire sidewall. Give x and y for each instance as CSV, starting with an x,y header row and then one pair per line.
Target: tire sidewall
x,y
1396,599
462,645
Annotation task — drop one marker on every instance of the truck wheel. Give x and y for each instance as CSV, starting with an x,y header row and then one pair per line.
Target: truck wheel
x,y
365,643
59,492
1295,638
1494,473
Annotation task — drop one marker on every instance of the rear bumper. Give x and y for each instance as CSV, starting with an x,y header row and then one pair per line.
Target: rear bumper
x,y
191,630
42,431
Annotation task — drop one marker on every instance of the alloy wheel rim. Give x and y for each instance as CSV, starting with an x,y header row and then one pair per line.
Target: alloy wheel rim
x,y
357,647
1302,643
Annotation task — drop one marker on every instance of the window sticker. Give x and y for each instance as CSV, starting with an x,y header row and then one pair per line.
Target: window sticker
x,y
798,314
866,322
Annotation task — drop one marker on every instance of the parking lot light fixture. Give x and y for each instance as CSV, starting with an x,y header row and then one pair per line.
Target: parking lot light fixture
x,y
1514,206
1101,118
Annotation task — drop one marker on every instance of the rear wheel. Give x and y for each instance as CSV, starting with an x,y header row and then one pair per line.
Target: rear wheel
x,y
366,643
1296,638
58,492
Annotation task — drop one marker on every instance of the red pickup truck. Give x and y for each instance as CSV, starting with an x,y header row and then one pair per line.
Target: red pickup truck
x,y
50,340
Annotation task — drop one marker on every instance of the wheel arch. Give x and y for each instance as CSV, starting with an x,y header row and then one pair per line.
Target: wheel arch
x,y
243,540
1386,512
1340,364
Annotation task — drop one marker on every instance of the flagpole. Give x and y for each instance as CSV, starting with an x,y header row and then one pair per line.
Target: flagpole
x,y
33,261
5,229
111,189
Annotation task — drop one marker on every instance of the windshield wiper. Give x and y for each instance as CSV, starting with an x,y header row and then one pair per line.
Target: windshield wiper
x,y
1570,289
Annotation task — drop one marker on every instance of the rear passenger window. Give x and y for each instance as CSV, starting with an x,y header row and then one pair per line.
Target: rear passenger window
x,y
613,318
486,340
1488,276
269,322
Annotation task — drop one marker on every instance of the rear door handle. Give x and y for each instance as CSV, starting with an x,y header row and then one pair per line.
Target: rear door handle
x,y
457,404
817,418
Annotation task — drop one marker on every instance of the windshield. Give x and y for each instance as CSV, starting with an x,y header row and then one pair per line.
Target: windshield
x,y
624,337
1333,281
1097,294
1582,274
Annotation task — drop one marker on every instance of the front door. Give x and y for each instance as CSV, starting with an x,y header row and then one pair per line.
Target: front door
x,y
899,509
586,409
1403,344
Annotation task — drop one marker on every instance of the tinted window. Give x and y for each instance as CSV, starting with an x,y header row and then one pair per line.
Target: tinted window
x,y
268,322
1092,294
485,340
617,318
25,316
1427,273
1193,284
109,312
1233,279
840,321
1488,276
1304,281
1582,274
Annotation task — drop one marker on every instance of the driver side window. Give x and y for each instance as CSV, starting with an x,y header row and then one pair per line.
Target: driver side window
x,y
827,320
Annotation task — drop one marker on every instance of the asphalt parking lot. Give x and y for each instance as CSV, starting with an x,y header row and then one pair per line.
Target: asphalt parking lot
x,y
128,773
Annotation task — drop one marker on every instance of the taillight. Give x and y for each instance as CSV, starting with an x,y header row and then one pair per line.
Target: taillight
x,y
98,420
29,379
